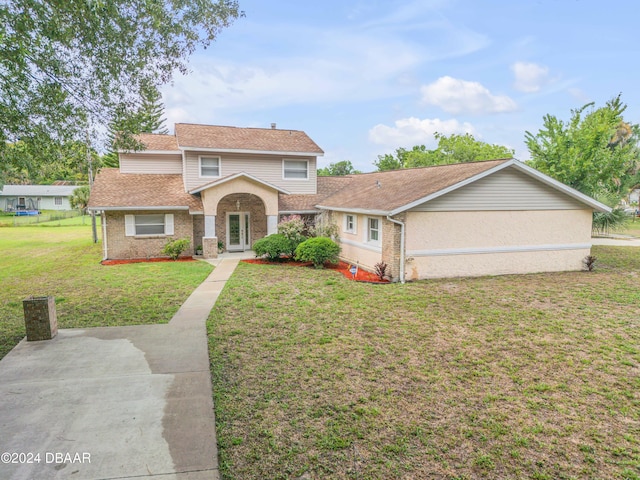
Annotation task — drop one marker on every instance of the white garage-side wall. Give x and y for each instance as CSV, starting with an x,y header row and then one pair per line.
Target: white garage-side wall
x,y
474,243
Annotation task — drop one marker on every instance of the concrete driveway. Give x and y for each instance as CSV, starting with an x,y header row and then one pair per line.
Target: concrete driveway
x,y
114,402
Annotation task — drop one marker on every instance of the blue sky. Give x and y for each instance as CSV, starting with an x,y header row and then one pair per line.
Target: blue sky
x,y
363,78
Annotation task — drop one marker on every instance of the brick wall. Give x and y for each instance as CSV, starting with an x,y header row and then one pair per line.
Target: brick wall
x,y
120,246
248,203
391,237
198,231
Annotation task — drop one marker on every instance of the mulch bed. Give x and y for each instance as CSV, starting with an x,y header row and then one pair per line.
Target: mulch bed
x,y
342,267
146,260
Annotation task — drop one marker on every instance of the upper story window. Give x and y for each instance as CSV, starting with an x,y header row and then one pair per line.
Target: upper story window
x,y
350,224
209,166
295,169
373,230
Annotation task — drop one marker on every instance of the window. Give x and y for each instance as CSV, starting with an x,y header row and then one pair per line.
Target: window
x,y
57,200
152,224
295,169
209,166
350,223
373,230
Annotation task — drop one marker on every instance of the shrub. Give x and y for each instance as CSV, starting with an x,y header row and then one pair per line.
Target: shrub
x,y
273,247
293,227
380,270
589,262
329,230
174,248
318,250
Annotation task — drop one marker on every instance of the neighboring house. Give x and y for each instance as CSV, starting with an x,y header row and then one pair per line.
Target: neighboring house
x,y
35,197
225,184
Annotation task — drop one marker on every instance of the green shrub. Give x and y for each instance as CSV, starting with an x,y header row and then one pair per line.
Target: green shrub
x,y
318,250
293,228
174,248
273,247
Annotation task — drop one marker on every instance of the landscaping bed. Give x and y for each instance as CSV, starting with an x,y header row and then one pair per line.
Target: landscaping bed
x,y
146,260
342,267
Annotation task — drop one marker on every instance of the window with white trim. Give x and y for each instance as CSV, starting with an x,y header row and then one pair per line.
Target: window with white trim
x,y
209,166
295,169
373,230
350,223
57,201
149,224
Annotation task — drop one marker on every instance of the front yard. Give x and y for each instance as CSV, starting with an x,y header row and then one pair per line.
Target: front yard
x,y
533,376
63,262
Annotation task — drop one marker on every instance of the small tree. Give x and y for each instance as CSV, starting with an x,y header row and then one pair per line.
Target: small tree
x,y
318,250
80,198
293,227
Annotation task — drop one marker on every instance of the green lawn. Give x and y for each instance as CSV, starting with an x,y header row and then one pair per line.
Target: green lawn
x,y
533,376
63,262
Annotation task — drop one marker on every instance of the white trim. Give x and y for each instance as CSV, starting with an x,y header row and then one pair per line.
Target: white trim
x,y
306,179
168,224
155,152
363,211
220,181
505,249
200,157
366,246
243,233
257,152
293,212
345,226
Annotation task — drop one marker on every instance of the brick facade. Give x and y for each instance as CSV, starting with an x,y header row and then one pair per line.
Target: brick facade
x,y
391,238
248,203
198,231
120,246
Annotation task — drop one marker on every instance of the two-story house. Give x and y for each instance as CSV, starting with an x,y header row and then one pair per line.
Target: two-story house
x,y
214,184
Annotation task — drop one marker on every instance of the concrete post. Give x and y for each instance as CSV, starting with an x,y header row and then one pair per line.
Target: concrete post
x,y
40,318
272,224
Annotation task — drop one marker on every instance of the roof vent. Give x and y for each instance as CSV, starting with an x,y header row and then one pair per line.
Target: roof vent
x,y
273,126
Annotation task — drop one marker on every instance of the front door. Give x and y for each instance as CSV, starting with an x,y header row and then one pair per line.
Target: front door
x,y
238,233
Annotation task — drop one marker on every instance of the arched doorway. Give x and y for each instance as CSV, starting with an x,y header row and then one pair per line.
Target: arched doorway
x,y
240,220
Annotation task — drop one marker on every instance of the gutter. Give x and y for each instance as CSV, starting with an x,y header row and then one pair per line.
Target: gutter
x,y
402,252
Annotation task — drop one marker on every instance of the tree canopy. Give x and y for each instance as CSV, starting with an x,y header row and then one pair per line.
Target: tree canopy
x,y
595,152
66,66
341,168
454,148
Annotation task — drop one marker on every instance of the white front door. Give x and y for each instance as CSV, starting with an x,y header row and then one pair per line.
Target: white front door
x,y
238,232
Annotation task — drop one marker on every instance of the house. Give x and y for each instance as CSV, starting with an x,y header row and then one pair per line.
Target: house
x,y
35,197
229,185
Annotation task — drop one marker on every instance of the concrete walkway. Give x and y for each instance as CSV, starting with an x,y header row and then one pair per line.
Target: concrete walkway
x,y
617,241
114,402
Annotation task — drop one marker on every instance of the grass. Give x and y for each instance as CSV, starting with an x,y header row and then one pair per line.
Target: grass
x,y
64,263
49,218
532,376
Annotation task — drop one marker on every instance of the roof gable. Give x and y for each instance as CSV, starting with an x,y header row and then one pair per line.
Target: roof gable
x,y
235,176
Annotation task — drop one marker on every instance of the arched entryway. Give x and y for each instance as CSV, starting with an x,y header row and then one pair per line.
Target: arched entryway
x,y
240,220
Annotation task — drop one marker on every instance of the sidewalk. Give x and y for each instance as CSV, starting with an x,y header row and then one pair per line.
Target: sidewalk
x,y
114,402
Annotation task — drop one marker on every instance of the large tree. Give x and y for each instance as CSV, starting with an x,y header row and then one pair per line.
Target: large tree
x,y
451,149
595,152
344,167
66,65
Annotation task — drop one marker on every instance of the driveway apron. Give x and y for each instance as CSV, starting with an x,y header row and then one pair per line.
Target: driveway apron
x,y
114,402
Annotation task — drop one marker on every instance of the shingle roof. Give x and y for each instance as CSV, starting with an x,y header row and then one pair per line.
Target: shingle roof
x,y
37,190
159,142
253,139
387,191
114,190
307,203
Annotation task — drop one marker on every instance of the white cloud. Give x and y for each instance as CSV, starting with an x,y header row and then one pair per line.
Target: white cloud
x,y
529,77
411,131
457,96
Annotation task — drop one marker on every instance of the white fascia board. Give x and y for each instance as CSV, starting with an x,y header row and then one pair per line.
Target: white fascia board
x,y
363,211
136,152
215,183
131,209
293,212
451,188
572,192
257,152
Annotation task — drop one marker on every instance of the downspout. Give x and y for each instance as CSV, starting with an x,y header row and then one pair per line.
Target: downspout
x,y
398,222
104,235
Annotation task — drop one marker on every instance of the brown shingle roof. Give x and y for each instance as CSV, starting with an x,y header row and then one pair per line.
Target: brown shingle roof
x,y
387,191
113,190
305,202
155,141
236,138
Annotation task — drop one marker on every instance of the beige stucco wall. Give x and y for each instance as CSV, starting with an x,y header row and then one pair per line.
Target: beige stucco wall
x,y
120,246
449,244
211,197
353,246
